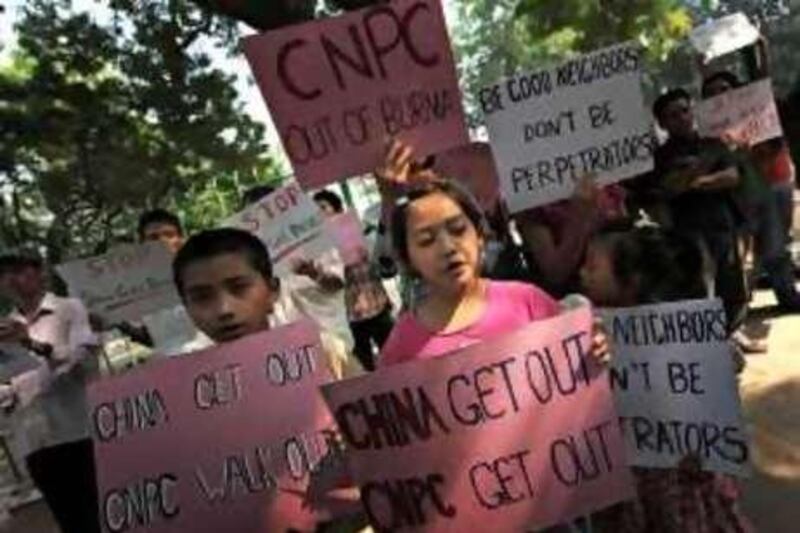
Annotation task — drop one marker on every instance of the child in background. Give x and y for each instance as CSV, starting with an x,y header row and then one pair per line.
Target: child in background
x,y
648,266
224,277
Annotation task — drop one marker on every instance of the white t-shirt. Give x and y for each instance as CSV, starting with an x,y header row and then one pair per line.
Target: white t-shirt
x,y
300,297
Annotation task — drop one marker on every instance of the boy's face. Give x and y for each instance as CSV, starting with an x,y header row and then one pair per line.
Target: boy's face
x,y
164,232
226,297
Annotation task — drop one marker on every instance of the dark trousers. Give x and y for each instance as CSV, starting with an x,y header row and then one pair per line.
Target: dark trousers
x,y
65,476
729,280
365,332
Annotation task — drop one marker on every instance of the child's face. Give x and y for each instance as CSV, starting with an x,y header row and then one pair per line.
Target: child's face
x,y
444,247
226,297
167,234
599,282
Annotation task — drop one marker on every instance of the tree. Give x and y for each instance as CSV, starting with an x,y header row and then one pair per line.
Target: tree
x,y
110,118
495,38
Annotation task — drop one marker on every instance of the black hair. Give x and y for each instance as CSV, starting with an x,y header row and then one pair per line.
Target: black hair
x,y
158,216
17,262
672,95
6,264
215,242
254,194
663,266
331,198
454,191
725,75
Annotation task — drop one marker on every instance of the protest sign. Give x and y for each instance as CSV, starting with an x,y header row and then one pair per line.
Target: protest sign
x,y
126,283
675,386
289,223
338,88
216,441
519,433
585,117
473,166
345,229
723,36
747,115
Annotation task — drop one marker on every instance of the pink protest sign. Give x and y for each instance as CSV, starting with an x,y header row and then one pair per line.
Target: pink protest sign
x,y
338,88
221,440
472,165
345,229
519,433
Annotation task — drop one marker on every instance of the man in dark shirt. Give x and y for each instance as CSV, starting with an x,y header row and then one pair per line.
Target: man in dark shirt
x,y
695,178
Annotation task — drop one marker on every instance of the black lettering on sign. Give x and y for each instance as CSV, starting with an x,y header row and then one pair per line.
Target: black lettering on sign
x,y
142,504
218,388
619,375
601,115
113,420
684,378
544,376
502,482
415,109
481,386
363,50
291,366
581,459
491,100
239,474
305,453
390,419
707,439
311,142
529,86
556,126
399,503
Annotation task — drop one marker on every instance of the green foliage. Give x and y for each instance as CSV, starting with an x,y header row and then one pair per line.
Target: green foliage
x,y
103,120
495,38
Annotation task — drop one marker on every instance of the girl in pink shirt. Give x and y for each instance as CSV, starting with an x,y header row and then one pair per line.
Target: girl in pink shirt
x,y
438,234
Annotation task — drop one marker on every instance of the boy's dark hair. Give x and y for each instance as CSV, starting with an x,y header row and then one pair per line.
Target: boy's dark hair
x,y
254,194
673,95
215,242
17,262
663,265
158,216
330,197
454,191
725,75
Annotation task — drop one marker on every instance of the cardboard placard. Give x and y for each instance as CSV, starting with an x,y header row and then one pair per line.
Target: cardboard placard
x,y
126,283
289,223
747,115
519,433
221,440
723,36
552,127
675,386
338,88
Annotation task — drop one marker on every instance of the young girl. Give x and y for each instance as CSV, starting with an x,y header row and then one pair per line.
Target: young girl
x,y
646,266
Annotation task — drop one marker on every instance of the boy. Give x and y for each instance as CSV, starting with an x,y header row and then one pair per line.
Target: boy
x,y
224,277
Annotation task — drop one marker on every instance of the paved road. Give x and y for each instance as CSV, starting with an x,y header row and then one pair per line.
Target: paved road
x,y
770,388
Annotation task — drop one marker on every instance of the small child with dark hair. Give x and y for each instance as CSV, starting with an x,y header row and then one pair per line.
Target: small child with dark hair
x,y
224,277
648,266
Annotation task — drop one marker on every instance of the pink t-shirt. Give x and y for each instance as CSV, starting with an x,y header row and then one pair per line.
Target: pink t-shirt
x,y
510,306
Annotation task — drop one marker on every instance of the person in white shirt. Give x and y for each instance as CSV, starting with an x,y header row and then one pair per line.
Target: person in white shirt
x,y
314,289
56,331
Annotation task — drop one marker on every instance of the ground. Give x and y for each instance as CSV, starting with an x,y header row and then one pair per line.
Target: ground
x,y
770,386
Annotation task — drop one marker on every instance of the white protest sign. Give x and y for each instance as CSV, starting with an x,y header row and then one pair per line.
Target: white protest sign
x,y
723,36
126,283
289,223
549,128
747,115
675,386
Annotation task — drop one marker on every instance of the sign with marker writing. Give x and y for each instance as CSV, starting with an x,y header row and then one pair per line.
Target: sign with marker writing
x,y
345,229
675,386
289,223
338,88
473,166
552,127
747,115
723,36
222,440
519,433
126,283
